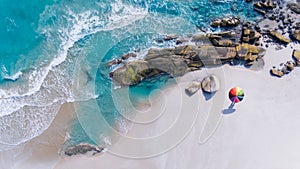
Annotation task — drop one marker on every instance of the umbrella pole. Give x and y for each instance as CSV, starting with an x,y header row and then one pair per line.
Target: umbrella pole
x,y
232,104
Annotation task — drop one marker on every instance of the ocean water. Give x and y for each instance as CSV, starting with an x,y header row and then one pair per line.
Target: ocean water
x,y
54,51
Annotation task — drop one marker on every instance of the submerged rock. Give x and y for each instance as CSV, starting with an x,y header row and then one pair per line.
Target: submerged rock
x,y
193,87
83,148
210,84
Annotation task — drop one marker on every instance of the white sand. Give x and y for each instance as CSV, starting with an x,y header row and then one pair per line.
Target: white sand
x,y
262,133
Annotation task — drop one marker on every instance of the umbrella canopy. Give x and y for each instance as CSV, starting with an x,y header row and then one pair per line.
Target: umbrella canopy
x,y
236,94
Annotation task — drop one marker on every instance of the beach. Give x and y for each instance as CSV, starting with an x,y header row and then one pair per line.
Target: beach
x,y
157,85
260,133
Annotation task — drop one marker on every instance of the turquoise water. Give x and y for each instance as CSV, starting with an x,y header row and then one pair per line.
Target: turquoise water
x,y
53,52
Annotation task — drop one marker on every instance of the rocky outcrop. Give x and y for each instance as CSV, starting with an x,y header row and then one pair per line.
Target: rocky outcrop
x,y
173,61
83,148
209,49
210,84
193,88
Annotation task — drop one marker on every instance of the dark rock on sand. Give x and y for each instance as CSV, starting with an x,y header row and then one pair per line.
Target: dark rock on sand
x,y
296,34
276,72
280,37
83,149
296,56
193,88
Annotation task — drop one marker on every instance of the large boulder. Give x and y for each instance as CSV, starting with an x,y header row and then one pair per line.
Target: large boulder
x,y
130,74
193,87
210,84
174,65
280,37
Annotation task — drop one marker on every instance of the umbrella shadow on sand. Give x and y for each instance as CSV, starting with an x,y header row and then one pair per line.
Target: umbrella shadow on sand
x,y
230,109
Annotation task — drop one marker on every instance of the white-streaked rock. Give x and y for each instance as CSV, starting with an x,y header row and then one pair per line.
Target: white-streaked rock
x,y
210,84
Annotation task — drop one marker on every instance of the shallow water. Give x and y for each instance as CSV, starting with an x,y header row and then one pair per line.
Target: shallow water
x,y
53,52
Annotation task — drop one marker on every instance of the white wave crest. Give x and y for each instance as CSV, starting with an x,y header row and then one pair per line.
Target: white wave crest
x,y
49,86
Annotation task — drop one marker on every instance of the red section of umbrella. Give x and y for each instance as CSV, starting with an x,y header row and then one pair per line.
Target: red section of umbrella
x,y
236,94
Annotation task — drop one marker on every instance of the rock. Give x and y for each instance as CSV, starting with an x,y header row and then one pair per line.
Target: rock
x,y
222,42
276,72
295,7
132,73
128,55
249,52
210,84
296,56
83,148
279,37
290,65
170,37
260,11
193,87
180,41
296,34
216,23
230,21
113,62
173,65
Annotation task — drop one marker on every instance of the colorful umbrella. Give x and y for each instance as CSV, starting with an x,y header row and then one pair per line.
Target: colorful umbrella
x,y
236,94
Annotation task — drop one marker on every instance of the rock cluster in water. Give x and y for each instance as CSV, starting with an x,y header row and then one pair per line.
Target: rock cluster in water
x,y
239,41
206,50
